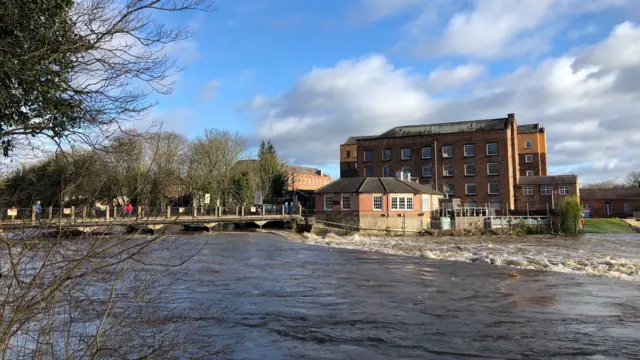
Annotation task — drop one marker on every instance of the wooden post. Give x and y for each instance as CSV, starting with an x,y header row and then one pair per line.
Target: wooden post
x,y
108,212
139,211
84,212
195,211
299,209
282,208
237,209
168,212
33,214
50,212
73,212
242,214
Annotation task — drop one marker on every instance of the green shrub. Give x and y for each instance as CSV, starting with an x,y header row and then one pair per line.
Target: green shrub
x,y
570,214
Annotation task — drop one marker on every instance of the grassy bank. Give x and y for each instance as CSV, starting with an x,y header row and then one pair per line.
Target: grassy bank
x,y
606,226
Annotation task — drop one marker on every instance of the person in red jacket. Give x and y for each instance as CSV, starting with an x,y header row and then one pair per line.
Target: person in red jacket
x,y
128,209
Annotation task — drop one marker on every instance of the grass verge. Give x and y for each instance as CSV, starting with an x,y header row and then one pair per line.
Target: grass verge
x,y
606,226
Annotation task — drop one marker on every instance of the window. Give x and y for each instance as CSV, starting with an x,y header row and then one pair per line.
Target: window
x,y
493,168
545,190
564,190
529,173
447,170
402,203
527,190
527,144
494,188
377,202
386,154
425,203
328,202
387,171
426,152
348,153
495,204
449,189
368,171
470,189
492,149
368,155
406,154
427,170
346,202
589,205
469,169
406,171
607,208
447,151
627,207
472,204
469,150
528,158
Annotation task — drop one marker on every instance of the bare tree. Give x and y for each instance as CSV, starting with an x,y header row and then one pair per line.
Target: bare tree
x,y
633,179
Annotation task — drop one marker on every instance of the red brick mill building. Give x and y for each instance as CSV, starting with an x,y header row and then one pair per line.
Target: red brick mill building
x,y
480,162
600,203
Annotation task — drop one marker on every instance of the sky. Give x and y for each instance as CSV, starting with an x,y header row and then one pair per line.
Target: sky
x,y
306,74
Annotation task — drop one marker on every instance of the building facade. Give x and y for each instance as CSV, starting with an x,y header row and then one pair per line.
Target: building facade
x,y
377,204
306,178
539,194
476,161
611,202
532,150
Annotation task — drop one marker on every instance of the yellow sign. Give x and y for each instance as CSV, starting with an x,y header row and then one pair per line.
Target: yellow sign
x,y
12,212
180,210
66,211
253,209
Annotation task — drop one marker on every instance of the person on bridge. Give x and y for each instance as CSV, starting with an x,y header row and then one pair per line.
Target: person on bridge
x,y
129,209
38,209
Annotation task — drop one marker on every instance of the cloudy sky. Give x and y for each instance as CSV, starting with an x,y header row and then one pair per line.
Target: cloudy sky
x,y
308,73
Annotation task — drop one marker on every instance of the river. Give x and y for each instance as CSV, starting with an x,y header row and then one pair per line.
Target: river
x,y
291,300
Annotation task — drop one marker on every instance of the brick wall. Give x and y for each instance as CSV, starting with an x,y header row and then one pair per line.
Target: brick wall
x,y
618,208
304,181
538,150
348,160
538,202
457,140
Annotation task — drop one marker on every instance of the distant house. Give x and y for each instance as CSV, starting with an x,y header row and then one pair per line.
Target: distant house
x,y
539,193
611,202
377,203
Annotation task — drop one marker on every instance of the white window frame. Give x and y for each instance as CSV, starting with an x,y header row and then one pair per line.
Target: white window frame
x,y
528,158
374,197
473,146
330,198
454,188
365,171
384,171
445,155
402,203
364,156
430,152
384,154
564,190
342,202
529,173
608,209
497,149
493,162
402,154
467,173
424,203
527,190
430,166
466,189
444,170
546,190
527,144
489,188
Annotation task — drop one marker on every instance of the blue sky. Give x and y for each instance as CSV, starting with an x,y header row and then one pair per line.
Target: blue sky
x,y
306,74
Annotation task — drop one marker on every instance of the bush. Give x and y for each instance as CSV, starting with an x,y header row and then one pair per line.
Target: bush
x,y
570,214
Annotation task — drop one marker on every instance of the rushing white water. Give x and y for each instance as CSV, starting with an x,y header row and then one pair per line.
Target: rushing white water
x,y
615,256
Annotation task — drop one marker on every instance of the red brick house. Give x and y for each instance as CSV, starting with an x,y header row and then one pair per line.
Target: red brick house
x,y
377,203
611,202
539,193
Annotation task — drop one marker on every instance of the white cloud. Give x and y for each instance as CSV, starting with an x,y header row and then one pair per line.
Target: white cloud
x,y
208,91
443,78
590,111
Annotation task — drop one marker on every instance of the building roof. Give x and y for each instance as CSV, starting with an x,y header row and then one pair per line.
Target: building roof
x,y
447,128
351,140
548,180
530,129
374,185
304,170
610,194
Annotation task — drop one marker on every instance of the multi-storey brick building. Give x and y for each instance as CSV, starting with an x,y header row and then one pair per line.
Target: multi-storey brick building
x,y
481,161
539,194
306,178
532,150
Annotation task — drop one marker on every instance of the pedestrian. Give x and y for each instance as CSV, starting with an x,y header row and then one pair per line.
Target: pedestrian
x,y
38,209
129,209
286,207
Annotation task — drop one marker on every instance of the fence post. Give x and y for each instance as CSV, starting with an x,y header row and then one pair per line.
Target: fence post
x,y
237,209
33,214
195,211
115,212
84,212
139,211
168,212
108,213
242,214
73,212
299,209
282,209
50,212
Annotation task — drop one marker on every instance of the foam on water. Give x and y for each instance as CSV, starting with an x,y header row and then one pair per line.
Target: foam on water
x,y
552,254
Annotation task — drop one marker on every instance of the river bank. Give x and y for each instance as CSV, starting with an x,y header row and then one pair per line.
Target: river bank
x,y
614,256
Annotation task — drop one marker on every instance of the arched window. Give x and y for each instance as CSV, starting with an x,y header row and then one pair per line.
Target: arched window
x,y
607,208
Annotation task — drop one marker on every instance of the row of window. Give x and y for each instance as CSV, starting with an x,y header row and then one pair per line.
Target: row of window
x,y
493,168
546,190
493,188
397,202
469,150
304,180
608,209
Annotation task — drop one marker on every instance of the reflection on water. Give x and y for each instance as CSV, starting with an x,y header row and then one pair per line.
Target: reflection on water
x,y
291,300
